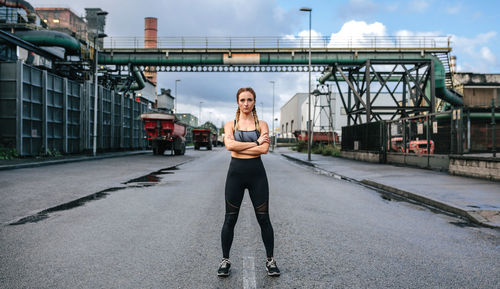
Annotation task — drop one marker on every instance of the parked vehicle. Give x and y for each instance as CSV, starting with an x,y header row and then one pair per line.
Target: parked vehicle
x,y
204,137
413,146
165,132
318,137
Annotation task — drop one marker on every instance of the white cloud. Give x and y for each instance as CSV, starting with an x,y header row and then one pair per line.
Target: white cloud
x,y
391,7
454,9
487,55
302,39
475,50
407,33
469,45
358,34
419,5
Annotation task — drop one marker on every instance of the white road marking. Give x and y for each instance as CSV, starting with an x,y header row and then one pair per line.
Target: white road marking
x,y
249,273
249,281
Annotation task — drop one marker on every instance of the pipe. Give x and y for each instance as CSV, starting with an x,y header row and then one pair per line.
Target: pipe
x,y
473,115
52,38
18,4
139,79
22,5
326,76
285,58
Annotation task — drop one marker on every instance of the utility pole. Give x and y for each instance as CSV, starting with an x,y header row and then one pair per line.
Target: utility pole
x,y
273,139
309,129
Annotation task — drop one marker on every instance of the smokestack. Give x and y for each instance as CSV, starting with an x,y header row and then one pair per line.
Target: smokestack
x,y
453,64
150,41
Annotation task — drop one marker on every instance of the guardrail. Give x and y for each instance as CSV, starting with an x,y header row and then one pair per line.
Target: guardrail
x,y
288,41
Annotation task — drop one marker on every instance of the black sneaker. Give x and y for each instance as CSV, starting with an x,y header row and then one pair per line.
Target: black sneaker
x,y
271,268
224,268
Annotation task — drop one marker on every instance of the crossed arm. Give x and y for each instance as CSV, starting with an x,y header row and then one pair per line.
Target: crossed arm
x,y
247,148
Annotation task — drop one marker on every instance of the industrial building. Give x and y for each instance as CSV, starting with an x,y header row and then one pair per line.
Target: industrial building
x,y
47,85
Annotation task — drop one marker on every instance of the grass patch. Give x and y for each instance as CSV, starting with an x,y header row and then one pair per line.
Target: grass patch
x,y
326,150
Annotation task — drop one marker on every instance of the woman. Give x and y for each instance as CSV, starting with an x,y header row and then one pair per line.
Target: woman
x,y
247,138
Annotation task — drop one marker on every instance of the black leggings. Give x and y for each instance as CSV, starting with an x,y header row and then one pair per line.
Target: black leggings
x,y
247,174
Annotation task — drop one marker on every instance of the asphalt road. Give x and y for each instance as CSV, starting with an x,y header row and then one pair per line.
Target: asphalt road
x,y
329,233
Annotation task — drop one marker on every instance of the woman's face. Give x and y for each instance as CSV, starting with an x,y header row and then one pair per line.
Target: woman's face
x,y
246,101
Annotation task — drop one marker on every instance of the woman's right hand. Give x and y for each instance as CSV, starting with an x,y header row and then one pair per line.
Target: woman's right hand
x,y
263,138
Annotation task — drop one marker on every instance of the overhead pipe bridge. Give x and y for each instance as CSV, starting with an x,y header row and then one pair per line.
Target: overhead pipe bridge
x,y
411,63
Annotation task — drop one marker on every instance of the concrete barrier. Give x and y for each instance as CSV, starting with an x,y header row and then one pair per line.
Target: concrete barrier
x,y
372,157
475,166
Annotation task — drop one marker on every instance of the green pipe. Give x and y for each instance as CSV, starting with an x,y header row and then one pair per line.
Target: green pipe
x,y
284,58
138,79
140,84
473,115
52,38
327,76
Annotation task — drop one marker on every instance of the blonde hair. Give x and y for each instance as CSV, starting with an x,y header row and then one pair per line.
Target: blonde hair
x,y
254,111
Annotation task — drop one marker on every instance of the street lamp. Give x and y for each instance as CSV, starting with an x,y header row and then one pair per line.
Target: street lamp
x,y
96,36
175,100
99,35
274,137
199,114
309,132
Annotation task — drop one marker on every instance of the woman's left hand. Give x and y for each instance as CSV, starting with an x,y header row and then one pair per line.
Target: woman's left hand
x,y
263,138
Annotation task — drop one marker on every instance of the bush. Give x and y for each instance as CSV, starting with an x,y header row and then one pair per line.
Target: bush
x,y
8,153
326,150
300,146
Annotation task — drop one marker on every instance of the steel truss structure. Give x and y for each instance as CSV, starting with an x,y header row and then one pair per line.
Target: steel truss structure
x,y
409,84
323,107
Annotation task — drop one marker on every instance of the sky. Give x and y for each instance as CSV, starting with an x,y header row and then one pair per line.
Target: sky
x,y
473,28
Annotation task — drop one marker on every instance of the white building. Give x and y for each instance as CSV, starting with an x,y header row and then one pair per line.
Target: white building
x,y
294,114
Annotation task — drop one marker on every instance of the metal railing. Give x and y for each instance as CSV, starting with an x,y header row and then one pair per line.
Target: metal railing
x,y
288,41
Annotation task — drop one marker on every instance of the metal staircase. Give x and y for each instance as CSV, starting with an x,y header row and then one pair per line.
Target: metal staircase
x,y
444,57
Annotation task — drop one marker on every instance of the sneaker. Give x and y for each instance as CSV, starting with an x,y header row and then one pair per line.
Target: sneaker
x,y
224,268
271,268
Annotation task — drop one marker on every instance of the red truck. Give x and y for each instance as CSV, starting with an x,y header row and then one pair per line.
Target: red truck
x,y
164,132
318,137
413,146
203,137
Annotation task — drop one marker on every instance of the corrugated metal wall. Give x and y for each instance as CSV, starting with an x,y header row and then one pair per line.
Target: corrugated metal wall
x,y
44,113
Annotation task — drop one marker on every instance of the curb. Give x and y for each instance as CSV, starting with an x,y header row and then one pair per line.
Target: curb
x,y
64,161
472,216
299,160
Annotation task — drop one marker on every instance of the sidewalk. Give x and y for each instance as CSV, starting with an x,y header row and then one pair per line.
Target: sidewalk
x,y
45,161
475,199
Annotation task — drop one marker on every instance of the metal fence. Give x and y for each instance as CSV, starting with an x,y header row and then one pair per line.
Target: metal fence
x,y
286,41
42,113
451,132
363,137
457,131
